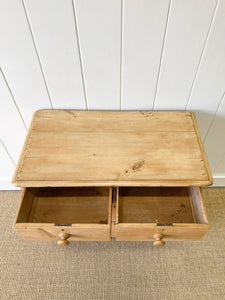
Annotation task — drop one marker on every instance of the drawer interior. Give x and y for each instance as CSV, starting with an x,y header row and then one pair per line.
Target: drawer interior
x,y
160,205
66,205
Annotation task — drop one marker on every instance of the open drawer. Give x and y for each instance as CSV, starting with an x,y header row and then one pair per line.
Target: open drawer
x,y
65,213
160,213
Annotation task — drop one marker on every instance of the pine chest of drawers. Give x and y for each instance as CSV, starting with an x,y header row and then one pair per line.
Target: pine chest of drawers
x,y
93,175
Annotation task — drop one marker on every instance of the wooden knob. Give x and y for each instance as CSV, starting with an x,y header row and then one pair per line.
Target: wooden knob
x,y
63,239
158,237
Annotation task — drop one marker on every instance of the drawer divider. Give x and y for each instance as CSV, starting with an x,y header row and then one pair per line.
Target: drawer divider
x,y
114,205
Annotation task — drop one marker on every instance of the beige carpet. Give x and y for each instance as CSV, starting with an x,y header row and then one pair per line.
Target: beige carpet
x,y
113,270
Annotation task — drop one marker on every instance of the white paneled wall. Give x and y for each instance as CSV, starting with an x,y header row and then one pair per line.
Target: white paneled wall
x,y
54,32
99,34
114,54
19,60
209,85
6,169
187,28
12,129
143,32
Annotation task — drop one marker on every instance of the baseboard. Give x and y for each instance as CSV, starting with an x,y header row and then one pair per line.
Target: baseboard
x,y
5,183
219,180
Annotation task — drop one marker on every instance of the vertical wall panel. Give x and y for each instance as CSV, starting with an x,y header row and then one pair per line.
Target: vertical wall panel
x,y
143,31
220,169
99,30
6,170
53,26
12,129
188,25
210,82
215,141
7,166
19,60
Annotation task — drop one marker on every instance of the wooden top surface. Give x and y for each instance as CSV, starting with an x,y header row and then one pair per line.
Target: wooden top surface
x,y
112,148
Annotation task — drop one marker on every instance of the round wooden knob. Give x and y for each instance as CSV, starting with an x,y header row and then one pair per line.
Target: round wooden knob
x,y
158,237
63,239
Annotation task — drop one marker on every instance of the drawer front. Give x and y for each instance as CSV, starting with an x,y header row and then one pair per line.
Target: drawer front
x,y
179,214
71,214
47,232
145,232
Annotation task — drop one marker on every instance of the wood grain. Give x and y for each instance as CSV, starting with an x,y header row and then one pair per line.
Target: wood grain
x,y
176,213
146,205
99,148
83,213
66,205
145,232
78,232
